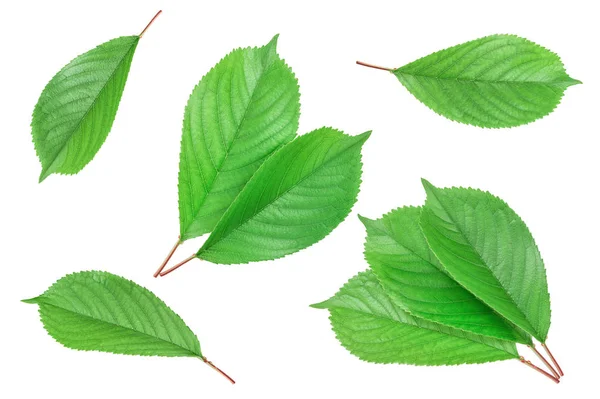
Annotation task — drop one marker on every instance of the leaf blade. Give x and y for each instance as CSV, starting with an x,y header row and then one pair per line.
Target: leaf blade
x,y
413,278
297,197
371,327
499,263
245,108
103,312
77,108
497,81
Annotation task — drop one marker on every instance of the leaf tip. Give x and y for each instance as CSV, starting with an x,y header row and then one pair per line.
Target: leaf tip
x,y
31,300
426,184
320,305
44,175
364,220
270,51
573,82
271,47
273,41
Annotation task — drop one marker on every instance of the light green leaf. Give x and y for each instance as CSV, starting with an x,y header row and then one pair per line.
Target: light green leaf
x,y
245,108
77,108
372,327
413,278
99,311
297,197
496,81
486,248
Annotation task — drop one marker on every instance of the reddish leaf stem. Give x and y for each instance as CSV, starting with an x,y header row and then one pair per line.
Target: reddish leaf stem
x,y
536,368
543,359
177,266
553,359
168,258
150,23
218,370
374,66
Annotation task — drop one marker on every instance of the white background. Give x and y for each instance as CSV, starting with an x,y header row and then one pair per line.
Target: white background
x,y
120,213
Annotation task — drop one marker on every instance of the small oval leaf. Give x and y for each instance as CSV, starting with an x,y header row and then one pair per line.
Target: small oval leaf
x,y
76,109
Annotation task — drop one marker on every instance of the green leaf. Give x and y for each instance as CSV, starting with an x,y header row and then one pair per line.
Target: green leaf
x,y
414,279
372,327
486,248
497,81
245,108
99,311
297,197
77,108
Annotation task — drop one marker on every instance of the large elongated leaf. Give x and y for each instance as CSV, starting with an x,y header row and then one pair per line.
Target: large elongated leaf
x,y
245,108
297,197
484,245
76,110
100,311
415,280
372,327
496,81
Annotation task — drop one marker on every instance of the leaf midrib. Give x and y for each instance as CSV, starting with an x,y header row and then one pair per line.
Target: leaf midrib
x,y
462,80
47,303
92,105
487,268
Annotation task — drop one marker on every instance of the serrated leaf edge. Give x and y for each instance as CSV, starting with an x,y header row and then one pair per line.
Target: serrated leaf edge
x,y
358,142
45,170
574,82
424,181
40,299
272,42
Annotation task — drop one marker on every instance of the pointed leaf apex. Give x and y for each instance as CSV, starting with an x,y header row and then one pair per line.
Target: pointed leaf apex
x,y
320,305
270,51
363,219
573,82
364,136
44,175
430,189
31,300
366,221
426,184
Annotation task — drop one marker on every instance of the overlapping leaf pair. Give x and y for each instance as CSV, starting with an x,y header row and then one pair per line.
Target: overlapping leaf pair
x,y
244,175
459,280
